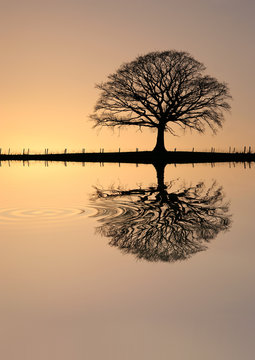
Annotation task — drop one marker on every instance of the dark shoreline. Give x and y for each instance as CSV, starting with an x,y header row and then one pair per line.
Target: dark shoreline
x,y
142,157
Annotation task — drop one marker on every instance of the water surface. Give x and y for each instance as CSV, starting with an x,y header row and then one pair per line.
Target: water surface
x,y
98,262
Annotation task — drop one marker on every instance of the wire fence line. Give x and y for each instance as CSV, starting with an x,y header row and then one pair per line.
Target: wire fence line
x,y
46,151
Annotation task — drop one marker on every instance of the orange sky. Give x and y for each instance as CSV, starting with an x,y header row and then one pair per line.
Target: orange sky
x,y
54,51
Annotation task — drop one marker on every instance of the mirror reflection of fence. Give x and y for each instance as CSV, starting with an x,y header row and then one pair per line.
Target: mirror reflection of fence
x,y
26,163
165,222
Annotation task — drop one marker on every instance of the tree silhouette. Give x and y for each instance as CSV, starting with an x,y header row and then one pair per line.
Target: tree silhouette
x,y
160,90
159,223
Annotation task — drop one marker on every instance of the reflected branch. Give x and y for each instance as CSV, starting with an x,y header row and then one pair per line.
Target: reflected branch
x,y
162,223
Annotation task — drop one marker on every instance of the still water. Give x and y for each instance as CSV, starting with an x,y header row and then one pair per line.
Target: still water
x,y
107,262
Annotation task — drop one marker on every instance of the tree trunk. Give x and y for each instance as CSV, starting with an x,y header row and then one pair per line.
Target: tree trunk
x,y
160,145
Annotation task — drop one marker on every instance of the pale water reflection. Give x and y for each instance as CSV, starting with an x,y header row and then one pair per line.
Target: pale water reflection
x,y
66,294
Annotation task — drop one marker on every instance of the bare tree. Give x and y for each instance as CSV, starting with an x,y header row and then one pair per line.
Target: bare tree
x,y
162,224
160,90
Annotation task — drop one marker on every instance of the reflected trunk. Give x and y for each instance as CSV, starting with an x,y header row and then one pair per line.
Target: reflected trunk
x,y
161,188
160,169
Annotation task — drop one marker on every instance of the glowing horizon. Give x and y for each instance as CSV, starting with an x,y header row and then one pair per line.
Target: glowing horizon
x,y
53,53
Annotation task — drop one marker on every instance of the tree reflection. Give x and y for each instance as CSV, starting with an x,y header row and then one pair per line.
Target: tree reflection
x,y
164,222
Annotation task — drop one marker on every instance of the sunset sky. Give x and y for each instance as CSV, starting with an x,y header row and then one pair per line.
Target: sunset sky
x,y
54,51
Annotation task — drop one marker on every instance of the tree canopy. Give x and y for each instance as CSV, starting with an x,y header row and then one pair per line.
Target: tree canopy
x,y
159,91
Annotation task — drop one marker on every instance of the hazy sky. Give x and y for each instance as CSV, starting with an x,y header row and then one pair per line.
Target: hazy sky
x,y
54,51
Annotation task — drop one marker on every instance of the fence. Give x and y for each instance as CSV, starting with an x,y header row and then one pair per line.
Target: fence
x,y
27,151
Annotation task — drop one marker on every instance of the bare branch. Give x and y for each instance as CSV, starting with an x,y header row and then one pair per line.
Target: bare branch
x,y
160,90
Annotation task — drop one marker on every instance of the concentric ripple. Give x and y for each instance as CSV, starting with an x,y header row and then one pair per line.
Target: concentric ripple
x,y
117,210
42,214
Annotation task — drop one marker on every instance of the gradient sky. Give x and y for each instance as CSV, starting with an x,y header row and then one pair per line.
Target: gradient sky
x,y
54,51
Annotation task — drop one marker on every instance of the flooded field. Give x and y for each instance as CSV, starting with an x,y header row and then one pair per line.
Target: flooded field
x,y
125,262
